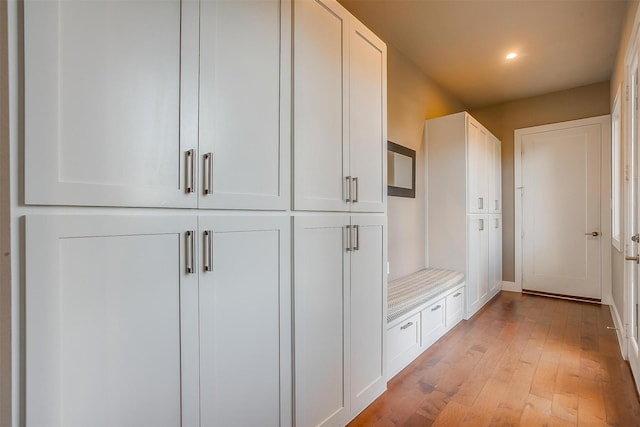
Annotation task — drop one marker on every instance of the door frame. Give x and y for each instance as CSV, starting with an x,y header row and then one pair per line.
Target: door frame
x,y
605,196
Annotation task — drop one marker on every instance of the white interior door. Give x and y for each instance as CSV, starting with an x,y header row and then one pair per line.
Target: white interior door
x,y
561,230
631,246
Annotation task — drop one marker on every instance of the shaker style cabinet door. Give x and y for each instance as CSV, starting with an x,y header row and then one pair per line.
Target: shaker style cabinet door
x,y
367,119
244,115
106,85
495,252
477,262
495,179
368,311
320,125
321,289
477,170
111,321
245,321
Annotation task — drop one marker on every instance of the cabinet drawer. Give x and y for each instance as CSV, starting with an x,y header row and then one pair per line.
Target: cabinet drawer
x,y
455,307
403,343
433,322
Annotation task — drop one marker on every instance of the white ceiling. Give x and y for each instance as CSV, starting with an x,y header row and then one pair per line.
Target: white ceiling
x,y
461,44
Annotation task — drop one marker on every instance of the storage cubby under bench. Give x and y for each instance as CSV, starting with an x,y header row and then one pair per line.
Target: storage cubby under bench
x,y
422,307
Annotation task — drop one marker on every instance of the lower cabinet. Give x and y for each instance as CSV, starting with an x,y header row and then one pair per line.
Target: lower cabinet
x,y
339,288
411,334
144,321
484,260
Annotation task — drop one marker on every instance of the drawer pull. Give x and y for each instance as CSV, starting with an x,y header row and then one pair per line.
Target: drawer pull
x,y
406,326
457,295
437,307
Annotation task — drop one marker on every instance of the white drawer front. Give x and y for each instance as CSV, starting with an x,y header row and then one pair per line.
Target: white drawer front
x,y
403,344
433,322
455,307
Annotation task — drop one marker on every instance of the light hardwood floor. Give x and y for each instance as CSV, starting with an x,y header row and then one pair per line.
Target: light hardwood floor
x,y
521,361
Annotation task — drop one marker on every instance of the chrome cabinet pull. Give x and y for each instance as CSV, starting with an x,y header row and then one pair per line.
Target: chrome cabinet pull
x,y
457,295
356,237
190,171
406,326
355,192
207,173
348,238
497,223
189,250
348,189
481,225
480,202
436,308
207,251
497,205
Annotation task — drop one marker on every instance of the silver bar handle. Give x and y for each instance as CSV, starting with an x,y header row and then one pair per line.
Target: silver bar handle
x,y
436,308
355,192
497,223
480,202
190,171
481,225
356,237
189,250
497,204
207,173
348,230
456,295
348,189
208,250
403,327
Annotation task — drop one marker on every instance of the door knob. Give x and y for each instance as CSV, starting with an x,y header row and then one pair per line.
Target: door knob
x,y
593,233
635,238
633,258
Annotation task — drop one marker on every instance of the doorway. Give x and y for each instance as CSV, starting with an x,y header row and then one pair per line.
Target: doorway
x,y
562,210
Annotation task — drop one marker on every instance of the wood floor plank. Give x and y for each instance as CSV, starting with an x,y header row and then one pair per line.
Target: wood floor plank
x,y
523,360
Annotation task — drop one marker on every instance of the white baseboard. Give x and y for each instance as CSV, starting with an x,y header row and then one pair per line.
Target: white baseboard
x,y
617,322
510,287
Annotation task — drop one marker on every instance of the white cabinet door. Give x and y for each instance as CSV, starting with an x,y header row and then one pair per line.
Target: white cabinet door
x,y
245,321
111,322
477,262
367,119
320,128
495,252
244,116
368,311
495,179
477,172
321,272
106,85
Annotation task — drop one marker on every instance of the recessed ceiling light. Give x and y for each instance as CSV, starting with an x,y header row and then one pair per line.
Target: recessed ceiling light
x,y
511,55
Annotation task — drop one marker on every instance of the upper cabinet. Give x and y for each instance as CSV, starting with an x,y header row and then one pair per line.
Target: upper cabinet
x,y
339,97
477,165
495,179
157,103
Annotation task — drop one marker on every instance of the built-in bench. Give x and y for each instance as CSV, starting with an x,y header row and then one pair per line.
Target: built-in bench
x,y
421,308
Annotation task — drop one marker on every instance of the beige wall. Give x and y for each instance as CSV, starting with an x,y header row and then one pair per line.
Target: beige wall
x,y
502,120
411,98
617,81
5,237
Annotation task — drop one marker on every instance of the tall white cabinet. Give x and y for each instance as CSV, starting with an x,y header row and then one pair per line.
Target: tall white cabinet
x,y
339,202
185,312
465,204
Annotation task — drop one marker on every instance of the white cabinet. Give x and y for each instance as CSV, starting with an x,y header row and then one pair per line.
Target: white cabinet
x,y
339,330
495,179
477,279
495,252
146,103
244,104
340,111
465,204
124,326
